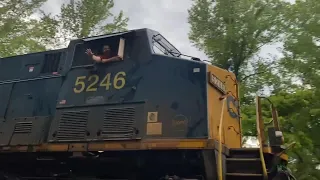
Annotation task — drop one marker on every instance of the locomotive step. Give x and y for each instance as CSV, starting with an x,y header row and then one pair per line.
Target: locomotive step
x,y
243,159
244,176
245,153
244,165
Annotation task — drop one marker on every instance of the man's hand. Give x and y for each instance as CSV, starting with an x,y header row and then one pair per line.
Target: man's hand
x,y
89,52
94,58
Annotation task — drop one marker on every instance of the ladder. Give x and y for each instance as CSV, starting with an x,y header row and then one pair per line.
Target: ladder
x,y
257,163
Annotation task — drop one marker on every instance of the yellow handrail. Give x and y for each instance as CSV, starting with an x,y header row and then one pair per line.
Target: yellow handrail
x,y
260,136
220,141
236,84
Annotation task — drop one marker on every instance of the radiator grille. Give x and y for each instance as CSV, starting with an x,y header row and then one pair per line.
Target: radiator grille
x,y
119,123
22,127
72,125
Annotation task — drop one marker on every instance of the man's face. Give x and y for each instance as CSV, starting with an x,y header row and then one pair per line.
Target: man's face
x,y
106,49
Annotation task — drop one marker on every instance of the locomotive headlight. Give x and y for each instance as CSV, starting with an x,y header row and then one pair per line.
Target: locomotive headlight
x,y
279,134
152,116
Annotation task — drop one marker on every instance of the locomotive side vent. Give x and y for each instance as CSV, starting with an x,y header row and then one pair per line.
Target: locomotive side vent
x,y
22,128
51,63
72,125
119,123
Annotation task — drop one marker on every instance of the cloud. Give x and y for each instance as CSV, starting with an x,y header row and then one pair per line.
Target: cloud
x,y
169,19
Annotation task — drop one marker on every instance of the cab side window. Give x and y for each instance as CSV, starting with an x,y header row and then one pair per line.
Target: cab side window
x,y
79,58
161,46
99,50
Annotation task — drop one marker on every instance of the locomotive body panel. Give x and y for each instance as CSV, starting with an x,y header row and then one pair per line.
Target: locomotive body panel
x,y
151,93
30,106
222,83
178,108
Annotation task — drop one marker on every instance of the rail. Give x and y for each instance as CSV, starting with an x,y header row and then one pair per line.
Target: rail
x,y
274,121
261,136
220,139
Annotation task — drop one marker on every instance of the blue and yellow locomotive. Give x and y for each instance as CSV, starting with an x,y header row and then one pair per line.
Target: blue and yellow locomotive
x,y
147,114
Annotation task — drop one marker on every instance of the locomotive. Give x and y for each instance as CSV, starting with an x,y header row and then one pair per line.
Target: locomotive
x,y
152,114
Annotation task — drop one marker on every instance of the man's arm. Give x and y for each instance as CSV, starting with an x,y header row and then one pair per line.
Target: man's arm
x,y
96,58
114,58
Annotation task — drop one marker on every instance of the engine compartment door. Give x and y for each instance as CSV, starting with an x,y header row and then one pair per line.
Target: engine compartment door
x,y
5,92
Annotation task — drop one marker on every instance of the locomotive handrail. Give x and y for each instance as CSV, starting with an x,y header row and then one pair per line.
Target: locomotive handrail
x,y
260,136
290,146
274,114
168,47
274,119
220,138
31,79
83,66
99,104
238,99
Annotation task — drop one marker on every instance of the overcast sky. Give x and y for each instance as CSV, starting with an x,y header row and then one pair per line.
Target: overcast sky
x,y
164,16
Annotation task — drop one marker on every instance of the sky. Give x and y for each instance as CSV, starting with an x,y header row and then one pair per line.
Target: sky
x,y
168,18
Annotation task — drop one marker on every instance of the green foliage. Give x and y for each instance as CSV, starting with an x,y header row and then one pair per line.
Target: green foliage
x,y
85,18
231,32
301,50
303,41
299,119
19,32
24,28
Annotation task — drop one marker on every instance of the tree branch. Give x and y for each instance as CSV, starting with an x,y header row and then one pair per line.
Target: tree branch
x,y
298,156
257,73
253,74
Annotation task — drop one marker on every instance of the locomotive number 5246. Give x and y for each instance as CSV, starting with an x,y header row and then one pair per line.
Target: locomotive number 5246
x,y
89,84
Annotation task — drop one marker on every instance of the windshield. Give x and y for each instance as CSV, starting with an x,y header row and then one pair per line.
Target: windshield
x,y
161,46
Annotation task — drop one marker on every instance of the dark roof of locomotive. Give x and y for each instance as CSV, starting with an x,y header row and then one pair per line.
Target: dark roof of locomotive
x,y
88,39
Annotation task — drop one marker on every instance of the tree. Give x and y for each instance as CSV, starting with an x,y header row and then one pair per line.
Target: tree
x,y
24,28
83,18
301,50
19,32
231,32
302,42
299,115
